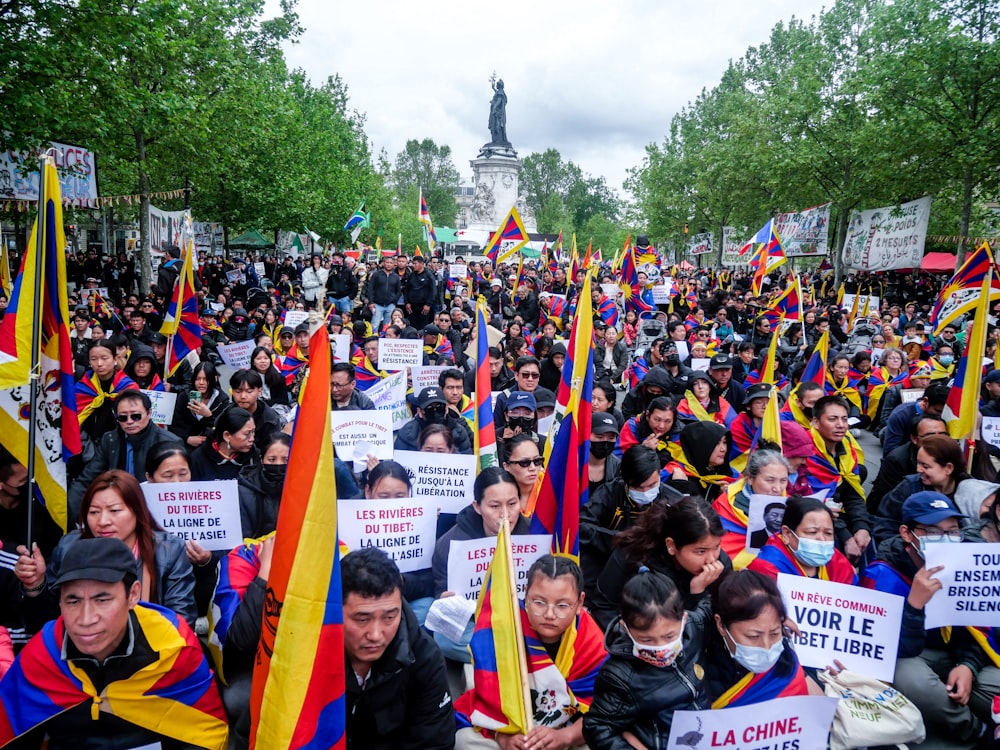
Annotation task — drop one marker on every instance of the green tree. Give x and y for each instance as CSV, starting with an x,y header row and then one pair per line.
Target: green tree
x,y
426,166
562,196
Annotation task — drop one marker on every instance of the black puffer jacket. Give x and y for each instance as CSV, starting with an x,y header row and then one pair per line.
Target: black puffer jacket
x,y
631,695
405,704
260,497
636,401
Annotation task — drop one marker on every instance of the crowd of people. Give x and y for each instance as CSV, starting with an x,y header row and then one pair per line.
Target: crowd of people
x,y
689,517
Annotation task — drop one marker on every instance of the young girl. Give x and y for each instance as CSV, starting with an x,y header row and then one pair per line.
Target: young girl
x,y
652,668
630,331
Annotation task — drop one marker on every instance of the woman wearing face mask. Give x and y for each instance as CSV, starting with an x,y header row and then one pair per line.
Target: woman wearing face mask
x,y
748,660
804,547
617,505
260,488
652,669
682,541
702,463
521,416
943,361
766,474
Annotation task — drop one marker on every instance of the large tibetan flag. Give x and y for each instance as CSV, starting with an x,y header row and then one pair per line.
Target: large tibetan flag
x,y
297,699
484,430
563,485
424,215
631,288
181,323
962,407
498,703
788,304
961,293
357,221
768,256
815,370
57,428
510,237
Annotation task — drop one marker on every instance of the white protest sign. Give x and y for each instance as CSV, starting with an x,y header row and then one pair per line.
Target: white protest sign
x,y
403,528
260,268
857,626
340,347
163,403
970,590
237,355
764,519
458,271
350,428
700,364
874,303
799,722
469,559
682,349
445,478
661,294
885,238
294,317
991,430
911,395
389,395
426,377
611,291
203,512
397,354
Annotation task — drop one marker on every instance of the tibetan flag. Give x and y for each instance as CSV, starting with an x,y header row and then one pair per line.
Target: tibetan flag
x,y
498,703
840,296
962,407
815,370
574,262
631,288
483,429
425,218
788,304
297,699
608,311
769,254
562,487
510,237
57,427
767,369
961,294
182,323
5,280
357,221
557,250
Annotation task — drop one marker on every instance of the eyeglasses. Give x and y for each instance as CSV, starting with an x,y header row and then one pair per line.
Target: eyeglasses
x,y
529,375
936,535
524,463
341,385
134,417
561,610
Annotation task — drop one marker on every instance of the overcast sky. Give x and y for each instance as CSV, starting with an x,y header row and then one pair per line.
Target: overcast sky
x,y
597,83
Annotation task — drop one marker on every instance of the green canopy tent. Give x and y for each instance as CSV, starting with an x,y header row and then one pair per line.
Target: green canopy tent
x,y
253,240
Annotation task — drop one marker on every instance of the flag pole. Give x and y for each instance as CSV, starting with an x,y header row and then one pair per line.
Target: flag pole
x,y
522,659
34,375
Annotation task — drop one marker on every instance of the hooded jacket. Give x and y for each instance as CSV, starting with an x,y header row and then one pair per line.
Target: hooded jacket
x,y
260,497
698,441
550,374
636,402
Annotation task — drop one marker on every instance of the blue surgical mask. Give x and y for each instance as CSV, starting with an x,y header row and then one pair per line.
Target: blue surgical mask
x,y
754,658
946,359
813,553
923,541
643,497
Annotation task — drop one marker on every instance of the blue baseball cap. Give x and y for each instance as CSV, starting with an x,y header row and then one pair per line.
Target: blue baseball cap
x,y
521,399
929,507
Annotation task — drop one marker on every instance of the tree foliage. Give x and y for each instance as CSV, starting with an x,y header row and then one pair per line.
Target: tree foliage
x,y
424,165
563,197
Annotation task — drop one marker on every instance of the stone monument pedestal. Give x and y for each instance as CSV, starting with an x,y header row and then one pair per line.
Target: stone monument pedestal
x,y
495,174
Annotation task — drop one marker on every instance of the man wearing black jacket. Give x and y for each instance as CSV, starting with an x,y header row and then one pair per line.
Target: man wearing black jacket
x,y
420,293
341,284
384,288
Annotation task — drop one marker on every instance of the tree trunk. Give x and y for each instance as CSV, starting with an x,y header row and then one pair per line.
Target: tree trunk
x,y
843,214
968,182
145,255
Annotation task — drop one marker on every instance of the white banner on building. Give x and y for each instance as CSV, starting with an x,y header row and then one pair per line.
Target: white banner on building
x,y
804,232
882,239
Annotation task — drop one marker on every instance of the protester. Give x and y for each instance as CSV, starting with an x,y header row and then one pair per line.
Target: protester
x,y
230,449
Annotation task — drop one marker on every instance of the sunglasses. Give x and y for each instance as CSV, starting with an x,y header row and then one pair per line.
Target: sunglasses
x,y
134,417
524,463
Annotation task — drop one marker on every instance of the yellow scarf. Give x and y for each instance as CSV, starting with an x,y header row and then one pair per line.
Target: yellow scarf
x,y
850,457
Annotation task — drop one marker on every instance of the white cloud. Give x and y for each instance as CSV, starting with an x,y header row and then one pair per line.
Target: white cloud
x,y
598,82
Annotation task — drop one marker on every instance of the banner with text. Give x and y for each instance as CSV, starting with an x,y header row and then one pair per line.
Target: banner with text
x,y
857,626
804,232
165,228
469,559
731,245
882,239
701,244
204,512
970,585
163,405
800,722
76,166
398,354
403,528
389,395
445,478
426,377
237,355
358,433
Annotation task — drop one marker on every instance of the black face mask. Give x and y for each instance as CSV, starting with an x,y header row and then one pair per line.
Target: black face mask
x,y
274,472
673,360
527,424
435,415
601,450
807,411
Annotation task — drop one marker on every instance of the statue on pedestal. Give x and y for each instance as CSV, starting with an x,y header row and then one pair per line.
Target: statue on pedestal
x,y
498,114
